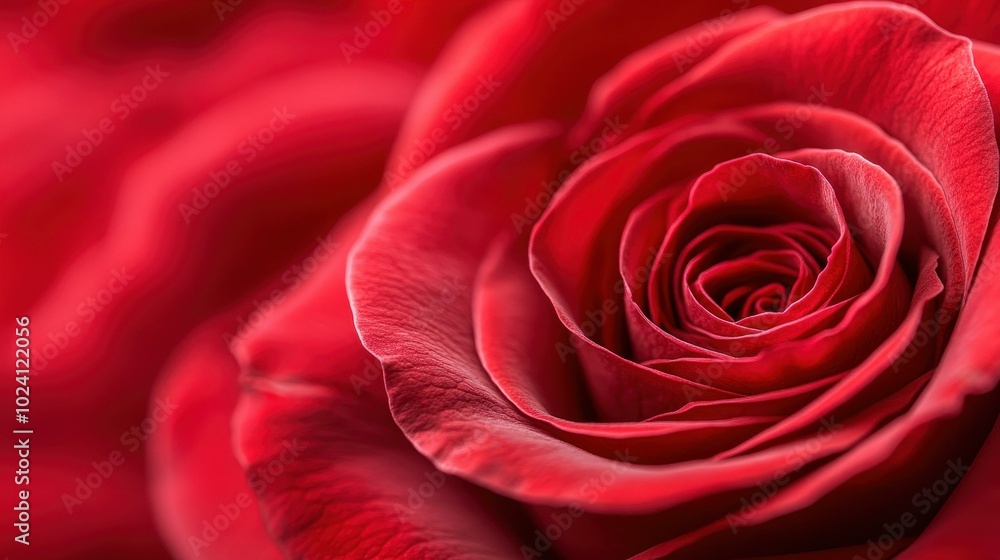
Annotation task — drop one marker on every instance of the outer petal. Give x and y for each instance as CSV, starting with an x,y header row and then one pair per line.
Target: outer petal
x,y
206,508
550,72
557,59
337,477
965,527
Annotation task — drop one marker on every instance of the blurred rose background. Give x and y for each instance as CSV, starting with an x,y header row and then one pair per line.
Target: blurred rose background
x,y
113,115
168,170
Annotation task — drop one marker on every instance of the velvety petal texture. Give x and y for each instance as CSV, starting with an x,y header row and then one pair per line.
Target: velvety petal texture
x,y
336,476
745,306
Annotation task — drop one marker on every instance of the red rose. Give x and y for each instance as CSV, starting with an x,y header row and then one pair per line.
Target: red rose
x,y
740,307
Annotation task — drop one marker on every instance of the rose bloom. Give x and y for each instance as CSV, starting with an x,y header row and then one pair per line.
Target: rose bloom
x,y
513,279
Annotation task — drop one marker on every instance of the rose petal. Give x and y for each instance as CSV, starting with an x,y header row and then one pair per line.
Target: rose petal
x,y
528,368
439,393
195,476
314,431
